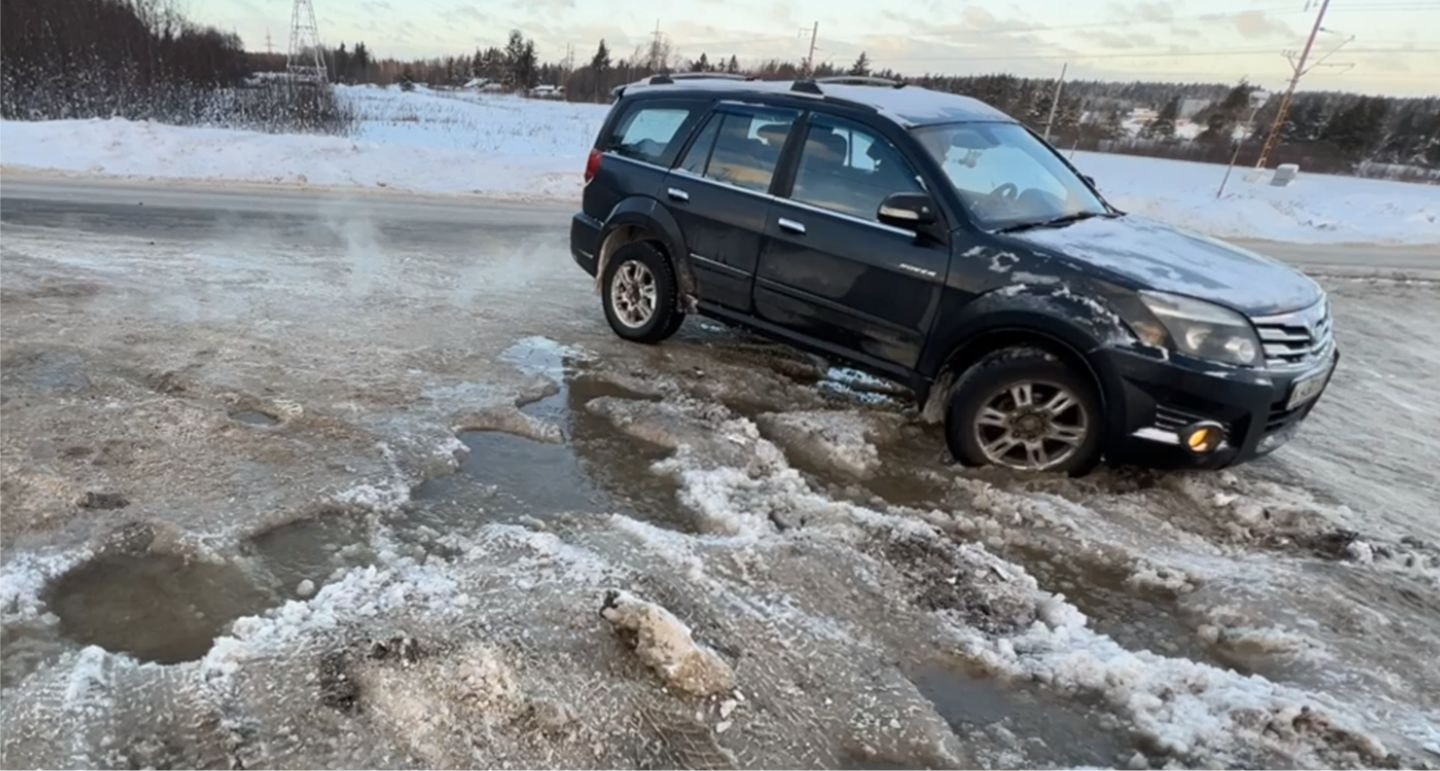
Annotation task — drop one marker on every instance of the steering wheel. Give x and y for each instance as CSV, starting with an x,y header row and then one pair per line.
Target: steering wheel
x,y
1006,191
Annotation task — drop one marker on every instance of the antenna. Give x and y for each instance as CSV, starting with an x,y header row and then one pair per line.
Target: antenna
x,y
306,62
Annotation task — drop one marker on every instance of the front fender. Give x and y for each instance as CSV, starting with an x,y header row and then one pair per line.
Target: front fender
x,y
649,215
1051,311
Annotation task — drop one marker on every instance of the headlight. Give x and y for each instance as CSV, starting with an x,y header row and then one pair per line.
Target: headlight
x,y
1200,329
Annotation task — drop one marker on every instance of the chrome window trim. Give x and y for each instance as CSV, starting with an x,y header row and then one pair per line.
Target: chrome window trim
x,y
712,181
844,216
636,161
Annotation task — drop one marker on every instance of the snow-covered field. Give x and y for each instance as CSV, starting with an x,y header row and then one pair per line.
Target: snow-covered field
x,y
454,142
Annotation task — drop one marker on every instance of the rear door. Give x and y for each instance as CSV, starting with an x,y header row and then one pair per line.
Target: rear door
x,y
830,269
720,196
640,145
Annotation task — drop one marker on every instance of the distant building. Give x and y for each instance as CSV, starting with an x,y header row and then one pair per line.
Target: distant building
x,y
484,85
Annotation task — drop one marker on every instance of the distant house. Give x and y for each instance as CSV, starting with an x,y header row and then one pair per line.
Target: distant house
x,y
484,85
547,92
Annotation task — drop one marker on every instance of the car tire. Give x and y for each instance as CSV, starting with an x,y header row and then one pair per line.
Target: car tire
x,y
1025,409
639,293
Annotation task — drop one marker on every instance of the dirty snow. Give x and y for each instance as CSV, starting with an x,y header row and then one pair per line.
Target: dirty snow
x,y
912,614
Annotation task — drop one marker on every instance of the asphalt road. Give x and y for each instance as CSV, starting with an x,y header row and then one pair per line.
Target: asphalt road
x,y
181,209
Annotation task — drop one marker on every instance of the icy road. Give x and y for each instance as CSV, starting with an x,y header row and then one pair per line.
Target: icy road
x,y
363,480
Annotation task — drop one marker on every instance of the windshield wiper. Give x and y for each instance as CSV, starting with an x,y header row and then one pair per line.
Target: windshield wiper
x,y
1055,222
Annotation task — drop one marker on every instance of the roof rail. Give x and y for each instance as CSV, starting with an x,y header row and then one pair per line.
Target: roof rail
x,y
861,80
671,77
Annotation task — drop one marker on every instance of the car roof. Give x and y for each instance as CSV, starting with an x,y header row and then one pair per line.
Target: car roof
x,y
907,105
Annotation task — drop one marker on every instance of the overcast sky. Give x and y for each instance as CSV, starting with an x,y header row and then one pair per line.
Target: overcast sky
x,y
1396,48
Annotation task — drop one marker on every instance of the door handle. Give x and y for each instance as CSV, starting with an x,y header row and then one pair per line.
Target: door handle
x,y
677,194
792,226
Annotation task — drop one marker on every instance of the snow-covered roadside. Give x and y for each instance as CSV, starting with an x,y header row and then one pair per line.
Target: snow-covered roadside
x,y
457,143
1313,209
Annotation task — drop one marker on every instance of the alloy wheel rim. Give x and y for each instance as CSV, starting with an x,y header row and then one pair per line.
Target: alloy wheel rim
x,y
633,293
1031,425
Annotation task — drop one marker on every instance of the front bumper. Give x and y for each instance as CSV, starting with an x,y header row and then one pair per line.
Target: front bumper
x,y
1151,397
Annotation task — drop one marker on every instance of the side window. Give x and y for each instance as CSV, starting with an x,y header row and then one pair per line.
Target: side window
x,y
741,148
651,134
699,153
847,168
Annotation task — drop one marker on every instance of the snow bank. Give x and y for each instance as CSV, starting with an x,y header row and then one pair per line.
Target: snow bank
x,y
418,141
455,142
1315,208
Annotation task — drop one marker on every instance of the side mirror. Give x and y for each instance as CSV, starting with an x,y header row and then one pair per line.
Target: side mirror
x,y
907,210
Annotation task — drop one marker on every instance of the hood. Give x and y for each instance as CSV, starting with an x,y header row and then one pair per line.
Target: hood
x,y
1157,256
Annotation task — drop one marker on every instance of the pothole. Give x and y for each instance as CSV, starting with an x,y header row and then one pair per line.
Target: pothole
x,y
155,607
298,558
1075,734
1137,618
594,469
257,418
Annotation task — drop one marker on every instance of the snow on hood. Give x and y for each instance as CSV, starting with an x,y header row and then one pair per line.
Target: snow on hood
x,y
1172,260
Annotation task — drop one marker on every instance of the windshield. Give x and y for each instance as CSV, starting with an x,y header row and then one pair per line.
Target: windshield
x,y
1005,176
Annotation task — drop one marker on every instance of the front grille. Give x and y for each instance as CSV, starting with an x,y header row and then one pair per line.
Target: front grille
x,y
1298,339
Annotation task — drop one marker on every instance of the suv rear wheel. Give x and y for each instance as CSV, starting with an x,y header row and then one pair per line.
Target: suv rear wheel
x,y
638,291
1024,409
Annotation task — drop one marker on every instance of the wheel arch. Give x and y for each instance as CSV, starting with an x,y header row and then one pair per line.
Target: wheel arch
x,y
1012,330
640,219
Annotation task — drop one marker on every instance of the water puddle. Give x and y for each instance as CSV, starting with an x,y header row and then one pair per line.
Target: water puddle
x,y
594,469
155,607
254,418
1135,617
973,703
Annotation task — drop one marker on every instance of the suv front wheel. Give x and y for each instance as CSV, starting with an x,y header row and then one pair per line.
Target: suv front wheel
x,y
1024,409
639,292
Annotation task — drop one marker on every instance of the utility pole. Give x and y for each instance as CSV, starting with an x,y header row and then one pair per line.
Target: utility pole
x,y
810,58
1055,102
655,49
1273,138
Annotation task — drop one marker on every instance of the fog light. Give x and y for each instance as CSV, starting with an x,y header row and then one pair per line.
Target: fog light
x,y
1203,437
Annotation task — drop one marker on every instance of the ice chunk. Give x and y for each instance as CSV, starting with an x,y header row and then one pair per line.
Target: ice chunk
x,y
664,643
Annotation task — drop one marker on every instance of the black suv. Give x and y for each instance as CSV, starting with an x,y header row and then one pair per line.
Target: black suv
x,y
931,239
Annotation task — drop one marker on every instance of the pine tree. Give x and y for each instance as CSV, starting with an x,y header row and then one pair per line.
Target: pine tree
x,y
525,68
861,65
407,80
1113,126
1357,128
700,65
600,62
1163,126
732,66
514,59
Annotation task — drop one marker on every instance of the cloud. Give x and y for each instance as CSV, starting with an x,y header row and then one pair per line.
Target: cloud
x,y
1145,11
1110,39
1258,24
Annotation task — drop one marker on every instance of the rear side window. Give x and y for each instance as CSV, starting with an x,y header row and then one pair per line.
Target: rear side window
x,y
740,148
847,168
652,134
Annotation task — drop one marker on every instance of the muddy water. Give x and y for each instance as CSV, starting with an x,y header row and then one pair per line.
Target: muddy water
x,y
155,607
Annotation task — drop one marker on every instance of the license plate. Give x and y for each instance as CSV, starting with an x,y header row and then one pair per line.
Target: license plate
x,y
1307,388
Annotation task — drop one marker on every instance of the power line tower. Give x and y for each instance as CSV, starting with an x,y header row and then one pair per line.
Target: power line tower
x,y
306,62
